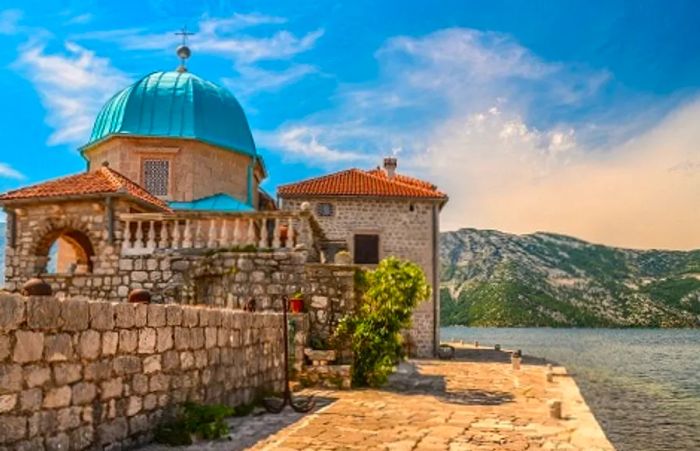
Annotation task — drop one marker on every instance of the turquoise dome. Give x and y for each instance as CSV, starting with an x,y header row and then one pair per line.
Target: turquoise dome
x,y
176,105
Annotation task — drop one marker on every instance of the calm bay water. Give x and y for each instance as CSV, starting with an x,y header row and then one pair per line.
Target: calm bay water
x,y
642,385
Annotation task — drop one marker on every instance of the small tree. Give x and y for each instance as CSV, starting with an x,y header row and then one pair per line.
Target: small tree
x,y
391,292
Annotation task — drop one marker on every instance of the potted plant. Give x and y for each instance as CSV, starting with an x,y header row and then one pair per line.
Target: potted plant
x,y
296,302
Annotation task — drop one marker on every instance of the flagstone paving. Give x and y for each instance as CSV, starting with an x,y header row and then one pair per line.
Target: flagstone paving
x,y
433,405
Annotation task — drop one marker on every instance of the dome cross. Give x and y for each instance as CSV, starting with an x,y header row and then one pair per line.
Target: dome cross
x,y
183,51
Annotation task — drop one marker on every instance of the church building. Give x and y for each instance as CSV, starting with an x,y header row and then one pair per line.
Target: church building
x,y
172,174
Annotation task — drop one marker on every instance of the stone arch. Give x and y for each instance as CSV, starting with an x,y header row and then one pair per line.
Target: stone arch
x,y
75,237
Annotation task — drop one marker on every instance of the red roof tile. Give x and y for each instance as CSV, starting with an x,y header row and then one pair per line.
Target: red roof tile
x,y
102,181
356,182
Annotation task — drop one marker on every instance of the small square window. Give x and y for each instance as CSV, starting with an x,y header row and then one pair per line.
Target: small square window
x,y
366,249
156,174
325,209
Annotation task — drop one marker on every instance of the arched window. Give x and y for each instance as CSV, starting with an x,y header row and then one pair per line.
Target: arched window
x,y
65,251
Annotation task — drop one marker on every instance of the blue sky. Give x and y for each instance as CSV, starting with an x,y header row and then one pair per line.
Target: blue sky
x,y
576,117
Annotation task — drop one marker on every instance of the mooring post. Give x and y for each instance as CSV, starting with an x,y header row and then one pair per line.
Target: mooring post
x,y
515,359
554,409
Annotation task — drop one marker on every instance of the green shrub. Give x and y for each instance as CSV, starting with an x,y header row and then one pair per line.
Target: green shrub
x,y
391,292
204,421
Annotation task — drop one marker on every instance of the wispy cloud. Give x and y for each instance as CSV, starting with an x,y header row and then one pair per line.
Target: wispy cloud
x,y
72,85
6,171
80,19
10,21
229,38
301,143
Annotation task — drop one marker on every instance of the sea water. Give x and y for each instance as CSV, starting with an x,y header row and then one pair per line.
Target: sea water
x,y
643,385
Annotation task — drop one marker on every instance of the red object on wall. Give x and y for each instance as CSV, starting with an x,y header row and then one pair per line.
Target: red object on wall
x,y
296,305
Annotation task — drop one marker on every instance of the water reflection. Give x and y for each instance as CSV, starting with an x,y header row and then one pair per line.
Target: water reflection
x,y
643,385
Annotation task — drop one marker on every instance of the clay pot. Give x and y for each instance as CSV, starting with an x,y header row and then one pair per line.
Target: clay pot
x,y
140,296
36,287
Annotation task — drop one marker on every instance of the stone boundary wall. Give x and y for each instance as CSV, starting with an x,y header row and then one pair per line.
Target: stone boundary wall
x,y
221,278
329,295
77,374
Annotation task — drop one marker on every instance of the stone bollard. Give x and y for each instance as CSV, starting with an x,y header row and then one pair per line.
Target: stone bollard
x,y
554,409
515,359
549,374
461,342
515,362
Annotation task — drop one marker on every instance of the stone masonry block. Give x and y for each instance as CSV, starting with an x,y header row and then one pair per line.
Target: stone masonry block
x,y
140,315
57,397
58,348
190,316
112,431
126,314
173,315
7,402
112,388
90,344
84,393
164,339
34,375
147,340
101,315
156,315
29,346
110,341
68,418
75,315
43,312
127,364
13,428
67,373
12,312
128,340
30,400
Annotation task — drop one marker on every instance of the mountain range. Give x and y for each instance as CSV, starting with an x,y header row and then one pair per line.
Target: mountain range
x,y
491,278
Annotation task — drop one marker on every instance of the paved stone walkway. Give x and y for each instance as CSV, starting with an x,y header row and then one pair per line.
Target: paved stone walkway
x,y
433,405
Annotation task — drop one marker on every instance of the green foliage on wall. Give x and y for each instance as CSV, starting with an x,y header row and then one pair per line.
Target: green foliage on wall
x,y
203,421
390,293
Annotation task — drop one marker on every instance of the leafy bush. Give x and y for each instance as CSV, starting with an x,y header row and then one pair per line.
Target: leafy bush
x,y
204,421
391,292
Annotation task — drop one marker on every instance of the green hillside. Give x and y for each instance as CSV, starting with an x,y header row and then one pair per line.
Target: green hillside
x,y
491,278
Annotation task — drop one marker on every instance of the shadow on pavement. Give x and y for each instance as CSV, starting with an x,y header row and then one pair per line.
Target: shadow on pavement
x,y
409,380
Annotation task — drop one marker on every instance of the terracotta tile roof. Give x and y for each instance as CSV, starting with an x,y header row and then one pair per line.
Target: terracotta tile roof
x,y
356,182
102,181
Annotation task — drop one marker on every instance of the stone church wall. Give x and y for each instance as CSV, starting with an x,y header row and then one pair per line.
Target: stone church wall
x,y
196,169
76,374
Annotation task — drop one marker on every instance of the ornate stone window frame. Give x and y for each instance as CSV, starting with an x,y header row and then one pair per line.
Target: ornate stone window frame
x,y
168,154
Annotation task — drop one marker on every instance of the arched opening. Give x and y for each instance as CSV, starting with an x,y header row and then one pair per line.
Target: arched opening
x,y
65,251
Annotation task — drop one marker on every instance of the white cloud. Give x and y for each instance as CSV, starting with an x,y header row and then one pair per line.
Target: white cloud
x,y
72,85
462,104
6,171
301,144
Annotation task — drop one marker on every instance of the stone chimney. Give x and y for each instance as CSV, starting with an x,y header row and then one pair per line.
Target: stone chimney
x,y
390,167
